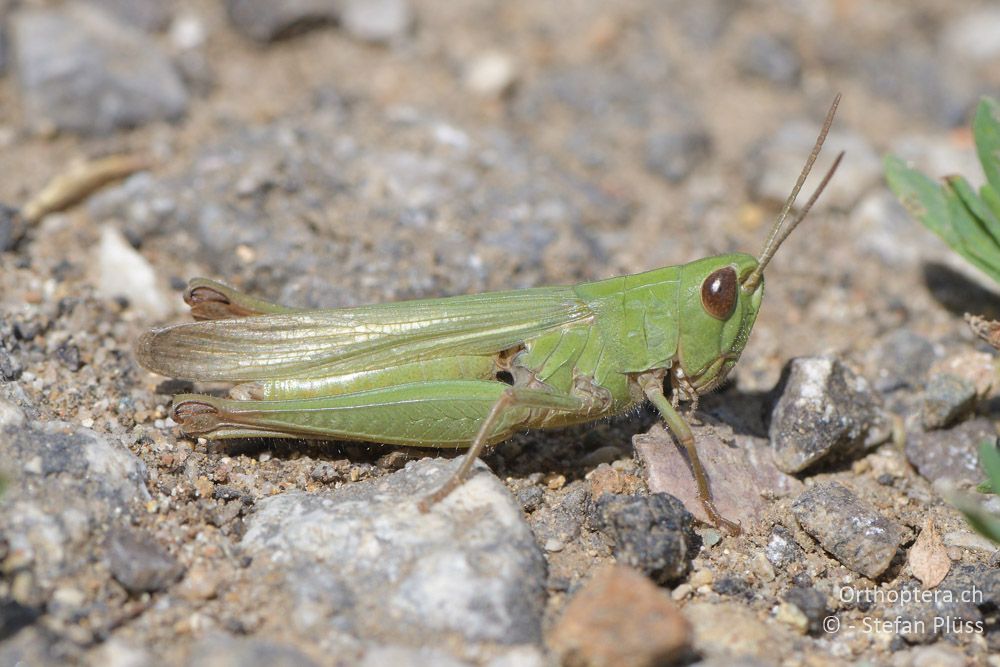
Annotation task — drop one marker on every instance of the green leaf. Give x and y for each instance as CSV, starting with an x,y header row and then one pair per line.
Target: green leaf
x,y
986,130
982,521
979,210
921,197
990,197
989,459
968,237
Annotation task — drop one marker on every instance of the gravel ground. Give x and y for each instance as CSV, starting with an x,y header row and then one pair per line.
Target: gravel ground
x,y
326,153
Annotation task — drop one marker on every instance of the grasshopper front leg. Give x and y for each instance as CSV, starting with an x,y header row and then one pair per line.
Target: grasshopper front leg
x,y
651,384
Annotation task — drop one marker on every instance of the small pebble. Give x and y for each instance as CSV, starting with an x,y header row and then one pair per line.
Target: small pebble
x,y
674,154
850,530
772,59
825,410
376,20
651,533
491,74
782,550
950,456
947,398
620,619
139,563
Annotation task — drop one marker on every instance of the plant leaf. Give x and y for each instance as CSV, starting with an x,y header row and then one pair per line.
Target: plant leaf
x,y
986,129
921,197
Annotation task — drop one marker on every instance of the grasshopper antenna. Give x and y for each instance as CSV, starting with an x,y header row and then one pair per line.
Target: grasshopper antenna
x,y
780,232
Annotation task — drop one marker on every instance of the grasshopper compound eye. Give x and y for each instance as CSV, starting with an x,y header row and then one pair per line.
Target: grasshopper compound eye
x,y
718,293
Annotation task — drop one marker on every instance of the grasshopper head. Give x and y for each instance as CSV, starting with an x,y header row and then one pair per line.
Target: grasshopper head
x,y
722,294
719,312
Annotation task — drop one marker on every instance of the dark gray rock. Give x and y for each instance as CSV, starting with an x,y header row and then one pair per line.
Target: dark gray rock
x,y
812,604
139,564
149,15
914,76
264,20
65,485
469,568
947,398
782,549
950,456
653,533
923,616
224,651
974,582
772,59
825,411
531,498
850,530
12,225
80,70
559,522
674,154
901,360
376,20
10,366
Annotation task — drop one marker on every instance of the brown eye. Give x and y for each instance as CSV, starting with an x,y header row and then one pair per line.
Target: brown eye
x,y
718,293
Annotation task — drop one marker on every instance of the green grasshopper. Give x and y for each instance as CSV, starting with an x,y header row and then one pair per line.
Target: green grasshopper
x,y
470,371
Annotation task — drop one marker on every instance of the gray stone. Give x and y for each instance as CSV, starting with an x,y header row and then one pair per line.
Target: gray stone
x,y
914,76
775,164
264,20
223,651
782,550
653,533
561,520
82,71
947,398
772,59
812,603
65,484
10,366
901,360
950,456
974,35
376,20
825,411
469,568
923,616
674,154
12,225
404,656
975,582
850,530
139,564
537,216
149,15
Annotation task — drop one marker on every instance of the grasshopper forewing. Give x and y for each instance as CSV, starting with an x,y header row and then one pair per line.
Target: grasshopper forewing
x,y
470,371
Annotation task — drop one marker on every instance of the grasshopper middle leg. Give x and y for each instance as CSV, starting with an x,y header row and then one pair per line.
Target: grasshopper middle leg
x,y
511,398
